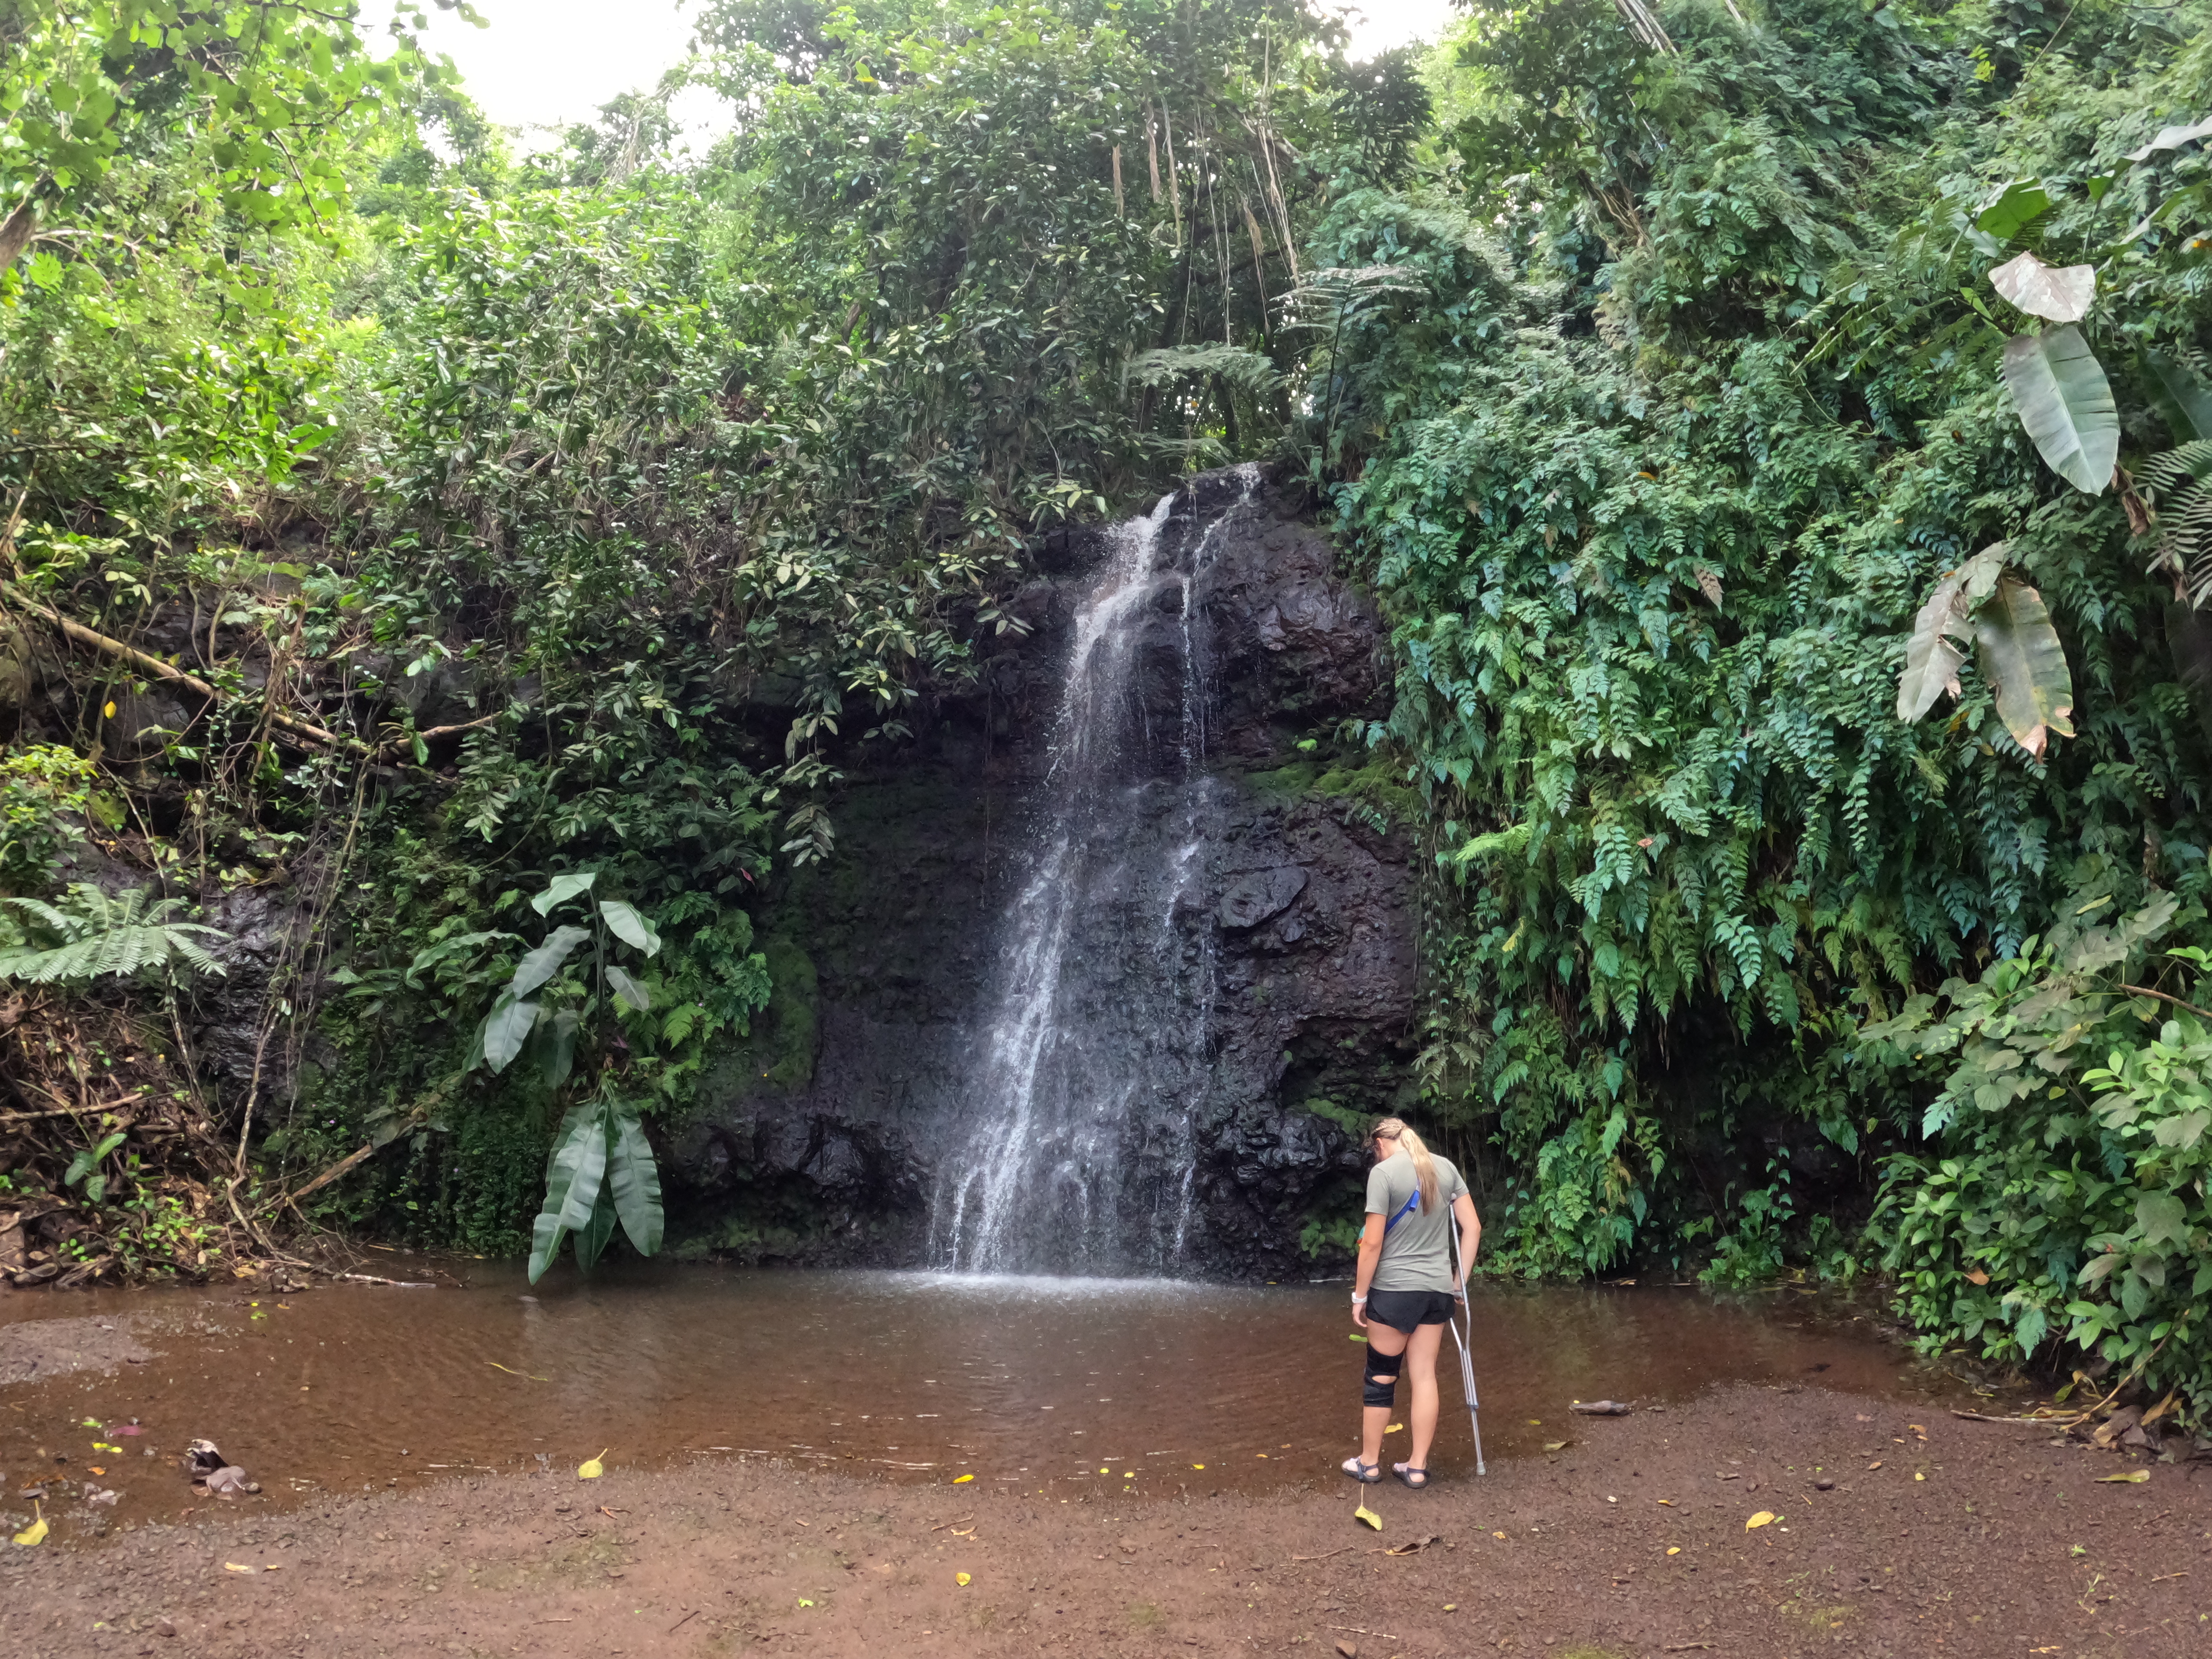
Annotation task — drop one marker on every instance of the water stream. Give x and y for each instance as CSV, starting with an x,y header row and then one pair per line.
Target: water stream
x,y
1096,1056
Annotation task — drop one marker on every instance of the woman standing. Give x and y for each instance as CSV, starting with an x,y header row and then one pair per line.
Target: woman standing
x,y
1406,1289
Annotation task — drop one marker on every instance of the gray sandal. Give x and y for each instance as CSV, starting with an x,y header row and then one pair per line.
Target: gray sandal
x,y
1367,1474
1409,1477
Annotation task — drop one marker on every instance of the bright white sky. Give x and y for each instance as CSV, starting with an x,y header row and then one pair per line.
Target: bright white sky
x,y
546,63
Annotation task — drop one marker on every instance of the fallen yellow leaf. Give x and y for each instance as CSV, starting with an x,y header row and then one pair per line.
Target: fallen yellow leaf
x,y
962,1480
1918,1476
36,1532
1363,1513
109,711
961,1579
1105,1471
2132,1478
1128,1475
232,1566
96,1470
1674,1549
1497,1534
591,1468
1764,1518
804,1602
1451,1607
1876,1464
1668,1501
1395,1428
1198,1466
1555,1445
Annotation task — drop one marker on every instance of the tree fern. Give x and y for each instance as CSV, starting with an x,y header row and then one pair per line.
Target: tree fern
x,y
91,935
2179,483
1248,371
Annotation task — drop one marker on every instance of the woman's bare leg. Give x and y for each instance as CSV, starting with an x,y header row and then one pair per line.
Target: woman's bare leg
x,y
1421,1371
1384,1342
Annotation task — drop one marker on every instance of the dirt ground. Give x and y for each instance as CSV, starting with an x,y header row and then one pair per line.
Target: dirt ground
x,y
1980,1539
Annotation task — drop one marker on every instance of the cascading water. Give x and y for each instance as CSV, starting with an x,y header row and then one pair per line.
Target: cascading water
x,y
1096,1057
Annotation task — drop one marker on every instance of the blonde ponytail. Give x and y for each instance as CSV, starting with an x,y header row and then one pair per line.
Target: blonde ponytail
x,y
1425,1168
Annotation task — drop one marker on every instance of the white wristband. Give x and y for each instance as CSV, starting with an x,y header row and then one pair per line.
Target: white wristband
x,y
1358,1298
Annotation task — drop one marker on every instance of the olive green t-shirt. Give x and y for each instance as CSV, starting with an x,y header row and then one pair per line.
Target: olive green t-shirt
x,y
1417,1249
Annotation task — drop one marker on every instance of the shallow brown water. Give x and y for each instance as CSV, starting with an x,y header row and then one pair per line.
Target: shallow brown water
x,y
1154,1386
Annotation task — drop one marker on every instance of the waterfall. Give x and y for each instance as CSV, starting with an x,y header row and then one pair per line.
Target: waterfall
x,y
1094,1060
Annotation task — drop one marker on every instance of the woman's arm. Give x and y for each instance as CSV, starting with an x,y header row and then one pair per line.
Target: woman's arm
x,y
1371,1252
1470,1234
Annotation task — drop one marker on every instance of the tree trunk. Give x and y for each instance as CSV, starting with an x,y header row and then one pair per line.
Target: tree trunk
x,y
16,233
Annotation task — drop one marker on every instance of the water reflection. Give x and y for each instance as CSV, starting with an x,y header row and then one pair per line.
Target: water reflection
x,y
1041,1382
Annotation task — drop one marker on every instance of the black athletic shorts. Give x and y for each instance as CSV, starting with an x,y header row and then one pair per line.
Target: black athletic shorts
x,y
1402,1311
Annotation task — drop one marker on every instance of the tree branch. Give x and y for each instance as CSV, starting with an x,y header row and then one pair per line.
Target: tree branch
x,y
2145,990
160,670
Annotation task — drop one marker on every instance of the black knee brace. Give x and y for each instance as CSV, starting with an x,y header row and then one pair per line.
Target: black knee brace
x,y
1380,1373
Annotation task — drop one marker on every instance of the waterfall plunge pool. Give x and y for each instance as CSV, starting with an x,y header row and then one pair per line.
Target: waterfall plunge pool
x,y
1066,1385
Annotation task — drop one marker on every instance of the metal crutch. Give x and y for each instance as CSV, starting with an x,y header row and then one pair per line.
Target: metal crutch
x,y
1467,1356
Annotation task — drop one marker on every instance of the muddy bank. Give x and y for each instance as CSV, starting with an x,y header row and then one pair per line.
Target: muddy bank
x,y
33,1350
1980,1539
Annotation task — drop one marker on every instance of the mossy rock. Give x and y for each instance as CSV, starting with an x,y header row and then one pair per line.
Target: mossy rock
x,y
1349,1119
780,1050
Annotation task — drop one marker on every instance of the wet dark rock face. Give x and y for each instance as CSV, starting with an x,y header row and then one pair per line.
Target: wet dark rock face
x,y
830,1134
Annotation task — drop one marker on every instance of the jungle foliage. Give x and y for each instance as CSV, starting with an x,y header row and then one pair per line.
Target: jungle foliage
x,y
398,525
1709,359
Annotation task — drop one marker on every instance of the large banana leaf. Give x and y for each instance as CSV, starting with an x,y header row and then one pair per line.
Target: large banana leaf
x,y
504,1031
590,1143
634,1180
579,1152
627,990
591,1237
1931,660
2066,404
631,927
2014,208
560,1053
545,961
2062,294
562,889
2025,665
2184,400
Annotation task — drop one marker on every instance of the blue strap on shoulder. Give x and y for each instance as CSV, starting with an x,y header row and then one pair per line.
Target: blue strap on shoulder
x,y
1413,1199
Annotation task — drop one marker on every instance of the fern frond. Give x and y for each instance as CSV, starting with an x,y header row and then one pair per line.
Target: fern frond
x,y
59,921
1248,371
109,937
2185,464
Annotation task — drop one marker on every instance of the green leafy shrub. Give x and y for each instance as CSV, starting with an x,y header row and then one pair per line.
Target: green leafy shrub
x,y
1652,427
45,790
2060,1204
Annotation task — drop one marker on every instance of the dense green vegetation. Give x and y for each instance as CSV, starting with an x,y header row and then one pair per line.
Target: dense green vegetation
x,y
1695,386
442,524
515,518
